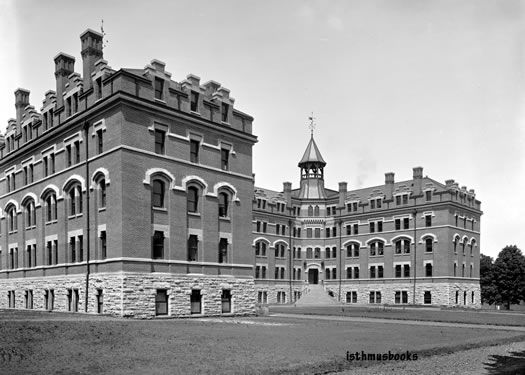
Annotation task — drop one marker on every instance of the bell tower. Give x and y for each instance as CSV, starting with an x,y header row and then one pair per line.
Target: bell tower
x,y
312,172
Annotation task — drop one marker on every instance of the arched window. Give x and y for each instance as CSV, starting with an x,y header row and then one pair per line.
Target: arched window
x,y
75,200
157,193
193,199
30,214
455,269
12,220
463,245
352,250
102,193
402,246
223,205
310,211
376,248
328,253
472,244
429,244
51,207
260,248
428,270
309,253
456,241
317,254
316,211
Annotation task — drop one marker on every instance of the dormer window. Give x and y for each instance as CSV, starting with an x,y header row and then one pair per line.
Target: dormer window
x,y
194,101
224,111
159,88
375,203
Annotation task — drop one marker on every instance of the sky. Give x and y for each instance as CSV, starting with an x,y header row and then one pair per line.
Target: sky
x,y
393,84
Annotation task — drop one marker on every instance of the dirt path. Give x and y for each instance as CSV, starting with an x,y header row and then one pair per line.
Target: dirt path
x,y
502,360
398,321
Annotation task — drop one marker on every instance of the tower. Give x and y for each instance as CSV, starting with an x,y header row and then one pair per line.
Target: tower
x,y
312,172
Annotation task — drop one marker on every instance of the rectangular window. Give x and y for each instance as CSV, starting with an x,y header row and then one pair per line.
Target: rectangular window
x,y
379,226
398,270
193,247
372,227
80,248
225,161
159,88
159,141
380,272
161,302
100,142
72,249
372,272
196,301
428,220
406,270
194,151
226,301
223,250
100,301
428,195
194,101
397,224
158,245
103,245
99,87
77,152
356,272
406,223
356,229
68,155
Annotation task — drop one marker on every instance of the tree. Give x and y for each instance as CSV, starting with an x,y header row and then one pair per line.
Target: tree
x,y
509,276
489,292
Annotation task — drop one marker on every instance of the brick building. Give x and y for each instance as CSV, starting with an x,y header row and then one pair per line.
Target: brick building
x,y
127,194
408,242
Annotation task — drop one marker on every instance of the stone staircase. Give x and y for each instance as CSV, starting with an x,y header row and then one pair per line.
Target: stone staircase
x,y
315,295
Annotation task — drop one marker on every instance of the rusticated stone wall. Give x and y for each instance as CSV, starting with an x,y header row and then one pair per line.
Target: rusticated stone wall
x,y
133,294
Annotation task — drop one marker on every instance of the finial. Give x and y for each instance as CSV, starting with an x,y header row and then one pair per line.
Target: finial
x,y
312,124
104,42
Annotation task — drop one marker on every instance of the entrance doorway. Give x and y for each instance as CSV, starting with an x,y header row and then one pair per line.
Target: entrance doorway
x,y
313,276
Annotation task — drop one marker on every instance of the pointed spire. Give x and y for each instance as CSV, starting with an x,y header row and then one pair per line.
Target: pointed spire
x,y
312,155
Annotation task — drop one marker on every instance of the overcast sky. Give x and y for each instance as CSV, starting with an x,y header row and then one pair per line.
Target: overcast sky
x,y
393,84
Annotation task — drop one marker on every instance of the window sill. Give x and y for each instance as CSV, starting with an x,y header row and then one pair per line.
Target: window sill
x,y
225,123
31,227
195,113
51,222
12,232
224,218
160,100
159,209
102,209
74,216
195,214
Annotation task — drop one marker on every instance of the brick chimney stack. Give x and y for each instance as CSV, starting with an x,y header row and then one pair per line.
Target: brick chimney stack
x,y
287,190
91,43
418,180
64,66
389,182
343,186
21,102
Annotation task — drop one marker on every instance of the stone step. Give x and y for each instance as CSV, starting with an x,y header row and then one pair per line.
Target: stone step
x,y
315,295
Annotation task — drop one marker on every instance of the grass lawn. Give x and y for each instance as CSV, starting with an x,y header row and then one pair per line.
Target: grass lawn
x,y
39,342
453,316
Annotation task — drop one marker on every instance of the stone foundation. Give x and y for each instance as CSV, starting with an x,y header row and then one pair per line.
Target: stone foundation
x,y
272,289
133,294
442,294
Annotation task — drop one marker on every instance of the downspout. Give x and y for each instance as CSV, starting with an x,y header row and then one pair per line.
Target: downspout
x,y
290,257
415,255
340,253
86,138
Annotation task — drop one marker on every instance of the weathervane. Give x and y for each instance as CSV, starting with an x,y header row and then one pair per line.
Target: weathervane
x,y
311,126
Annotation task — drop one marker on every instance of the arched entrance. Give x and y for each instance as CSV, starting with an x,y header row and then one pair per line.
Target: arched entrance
x,y
313,276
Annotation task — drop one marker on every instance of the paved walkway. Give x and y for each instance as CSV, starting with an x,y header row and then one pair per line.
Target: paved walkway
x,y
397,321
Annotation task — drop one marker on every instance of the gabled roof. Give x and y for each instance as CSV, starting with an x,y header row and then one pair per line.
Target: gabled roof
x,y
312,155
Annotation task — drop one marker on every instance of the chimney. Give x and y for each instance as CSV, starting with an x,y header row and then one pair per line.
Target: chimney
x,y
342,193
21,102
418,180
287,189
449,183
91,44
64,66
389,185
